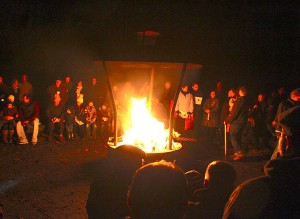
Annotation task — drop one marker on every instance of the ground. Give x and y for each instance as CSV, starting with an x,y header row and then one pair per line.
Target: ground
x,y
52,180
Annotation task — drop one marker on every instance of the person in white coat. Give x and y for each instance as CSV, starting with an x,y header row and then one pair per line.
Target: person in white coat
x,y
184,108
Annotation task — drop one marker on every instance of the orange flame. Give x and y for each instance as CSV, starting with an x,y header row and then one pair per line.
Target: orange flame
x,y
145,131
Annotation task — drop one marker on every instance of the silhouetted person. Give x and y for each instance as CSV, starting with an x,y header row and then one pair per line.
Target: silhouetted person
x,y
158,190
108,193
219,182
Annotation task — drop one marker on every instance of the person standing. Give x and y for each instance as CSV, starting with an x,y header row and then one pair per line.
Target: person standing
x,y
198,103
95,93
57,88
68,85
29,112
236,121
25,87
15,91
166,97
292,101
210,117
184,108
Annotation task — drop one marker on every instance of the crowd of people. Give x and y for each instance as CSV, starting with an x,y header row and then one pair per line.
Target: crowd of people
x,y
84,111
252,125
66,115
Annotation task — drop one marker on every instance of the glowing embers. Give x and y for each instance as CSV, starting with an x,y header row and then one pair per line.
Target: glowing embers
x,y
144,131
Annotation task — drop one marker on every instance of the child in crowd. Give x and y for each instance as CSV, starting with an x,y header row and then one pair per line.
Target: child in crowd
x,y
10,114
91,117
70,119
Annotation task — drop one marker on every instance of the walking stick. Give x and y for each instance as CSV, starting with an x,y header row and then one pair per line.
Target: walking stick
x,y
225,141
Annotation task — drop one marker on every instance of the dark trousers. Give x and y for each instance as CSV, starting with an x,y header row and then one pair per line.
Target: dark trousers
x,y
79,130
236,131
52,126
179,124
9,125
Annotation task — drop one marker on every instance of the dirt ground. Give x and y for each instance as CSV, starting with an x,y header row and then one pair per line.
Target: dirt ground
x,y
52,180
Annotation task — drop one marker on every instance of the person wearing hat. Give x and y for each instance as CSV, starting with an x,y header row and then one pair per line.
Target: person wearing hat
x,y
9,115
277,193
29,112
55,114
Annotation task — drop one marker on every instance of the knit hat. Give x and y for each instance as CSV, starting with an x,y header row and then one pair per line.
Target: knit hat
x,y
11,98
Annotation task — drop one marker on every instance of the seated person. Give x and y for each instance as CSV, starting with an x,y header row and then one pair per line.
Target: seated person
x,y
29,111
9,116
55,115
91,118
158,190
277,194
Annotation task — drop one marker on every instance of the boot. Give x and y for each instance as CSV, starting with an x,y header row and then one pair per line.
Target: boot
x,y
4,136
11,135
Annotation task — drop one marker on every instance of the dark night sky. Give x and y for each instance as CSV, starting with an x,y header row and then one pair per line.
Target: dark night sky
x,y
236,41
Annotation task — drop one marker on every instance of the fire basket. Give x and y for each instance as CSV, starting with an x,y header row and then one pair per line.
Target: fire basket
x,y
140,128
